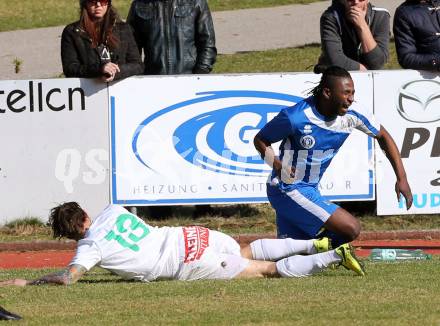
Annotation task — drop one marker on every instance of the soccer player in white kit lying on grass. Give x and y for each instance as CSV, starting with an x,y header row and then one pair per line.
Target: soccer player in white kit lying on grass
x,y
124,244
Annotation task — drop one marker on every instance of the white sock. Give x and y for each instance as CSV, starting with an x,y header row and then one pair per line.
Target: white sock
x,y
276,249
300,266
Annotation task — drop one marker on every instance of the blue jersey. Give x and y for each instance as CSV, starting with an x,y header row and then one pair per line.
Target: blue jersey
x,y
310,140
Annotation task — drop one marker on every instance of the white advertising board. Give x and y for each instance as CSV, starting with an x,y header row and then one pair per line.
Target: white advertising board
x,y
407,104
188,139
54,146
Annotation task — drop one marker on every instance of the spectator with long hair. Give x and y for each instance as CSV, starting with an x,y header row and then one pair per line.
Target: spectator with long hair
x,y
100,44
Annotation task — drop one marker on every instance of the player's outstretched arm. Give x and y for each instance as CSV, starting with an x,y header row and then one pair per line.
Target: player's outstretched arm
x,y
64,277
388,145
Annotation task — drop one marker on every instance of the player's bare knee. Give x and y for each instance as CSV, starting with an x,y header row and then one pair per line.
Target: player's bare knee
x,y
271,270
352,230
258,268
268,269
246,252
255,269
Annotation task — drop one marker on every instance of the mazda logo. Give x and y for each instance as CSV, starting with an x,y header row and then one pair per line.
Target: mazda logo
x,y
418,101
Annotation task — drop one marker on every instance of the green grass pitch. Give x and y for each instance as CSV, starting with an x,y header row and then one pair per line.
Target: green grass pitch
x,y
391,294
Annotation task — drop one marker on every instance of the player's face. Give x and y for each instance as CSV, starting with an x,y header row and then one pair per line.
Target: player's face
x,y
86,226
342,95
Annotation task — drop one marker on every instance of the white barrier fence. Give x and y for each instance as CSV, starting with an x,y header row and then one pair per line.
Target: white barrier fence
x,y
188,139
407,104
54,146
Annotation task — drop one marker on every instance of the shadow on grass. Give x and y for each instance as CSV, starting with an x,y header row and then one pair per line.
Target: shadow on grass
x,y
109,280
187,212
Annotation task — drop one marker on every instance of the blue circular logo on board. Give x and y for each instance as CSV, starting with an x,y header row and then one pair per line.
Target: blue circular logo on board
x,y
213,131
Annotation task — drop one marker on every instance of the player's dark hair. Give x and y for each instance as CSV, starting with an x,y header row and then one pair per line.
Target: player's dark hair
x,y
67,220
327,79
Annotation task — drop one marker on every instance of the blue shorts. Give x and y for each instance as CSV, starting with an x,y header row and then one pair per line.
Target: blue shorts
x,y
301,213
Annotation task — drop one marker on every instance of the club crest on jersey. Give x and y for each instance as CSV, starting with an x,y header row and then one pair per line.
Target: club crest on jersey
x,y
307,141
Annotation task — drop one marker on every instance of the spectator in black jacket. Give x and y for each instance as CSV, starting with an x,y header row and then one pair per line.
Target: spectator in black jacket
x,y
99,45
354,36
177,37
417,34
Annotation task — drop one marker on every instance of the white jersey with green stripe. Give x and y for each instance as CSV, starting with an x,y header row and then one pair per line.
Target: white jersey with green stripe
x,y
125,245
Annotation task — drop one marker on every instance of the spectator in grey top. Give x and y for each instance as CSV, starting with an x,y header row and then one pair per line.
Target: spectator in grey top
x,y
354,36
417,34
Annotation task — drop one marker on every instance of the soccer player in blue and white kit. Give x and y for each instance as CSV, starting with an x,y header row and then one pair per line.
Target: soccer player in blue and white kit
x,y
312,132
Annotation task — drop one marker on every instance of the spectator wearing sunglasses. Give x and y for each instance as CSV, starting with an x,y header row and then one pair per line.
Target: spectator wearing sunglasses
x,y
99,45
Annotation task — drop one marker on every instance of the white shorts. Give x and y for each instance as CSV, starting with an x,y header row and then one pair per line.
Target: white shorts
x,y
209,254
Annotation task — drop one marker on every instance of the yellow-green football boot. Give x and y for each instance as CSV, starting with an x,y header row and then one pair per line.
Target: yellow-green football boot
x,y
349,259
